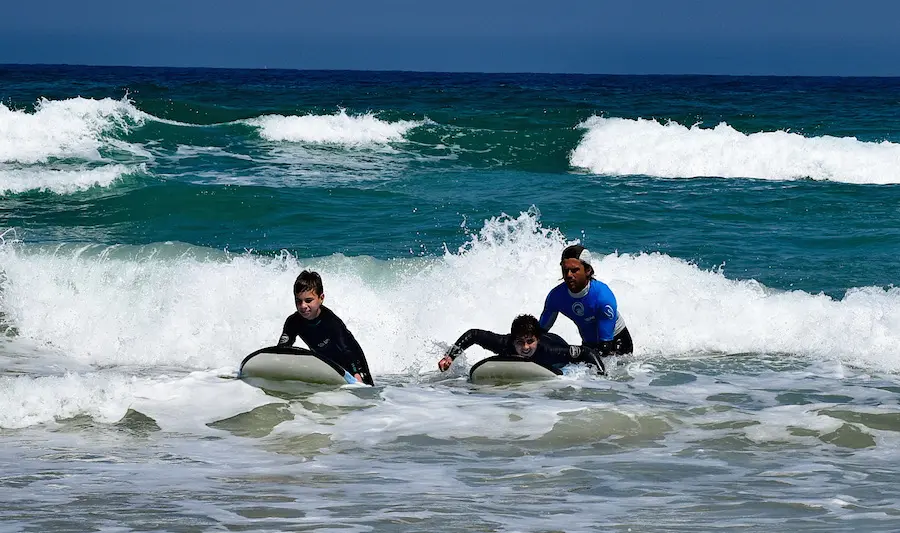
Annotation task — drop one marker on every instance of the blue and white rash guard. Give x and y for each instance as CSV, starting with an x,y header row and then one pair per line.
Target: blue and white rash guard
x,y
593,310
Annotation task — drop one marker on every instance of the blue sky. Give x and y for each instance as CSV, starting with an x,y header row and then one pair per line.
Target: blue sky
x,y
785,37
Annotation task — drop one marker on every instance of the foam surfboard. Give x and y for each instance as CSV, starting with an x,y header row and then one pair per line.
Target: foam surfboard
x,y
287,363
509,369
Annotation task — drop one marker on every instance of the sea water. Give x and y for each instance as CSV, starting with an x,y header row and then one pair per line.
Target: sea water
x,y
153,222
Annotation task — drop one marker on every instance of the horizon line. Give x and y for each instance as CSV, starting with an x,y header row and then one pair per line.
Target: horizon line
x,y
411,71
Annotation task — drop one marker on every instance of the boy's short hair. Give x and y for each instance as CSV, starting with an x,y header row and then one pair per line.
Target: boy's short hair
x,y
525,325
309,280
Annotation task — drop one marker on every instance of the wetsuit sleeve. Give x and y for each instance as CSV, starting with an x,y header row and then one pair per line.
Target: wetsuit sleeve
x,y
288,336
493,342
555,348
555,352
354,353
609,310
549,314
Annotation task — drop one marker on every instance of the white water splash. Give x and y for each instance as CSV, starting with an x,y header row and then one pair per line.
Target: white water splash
x,y
617,146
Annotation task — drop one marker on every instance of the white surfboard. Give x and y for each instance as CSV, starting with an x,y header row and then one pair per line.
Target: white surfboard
x,y
287,363
509,369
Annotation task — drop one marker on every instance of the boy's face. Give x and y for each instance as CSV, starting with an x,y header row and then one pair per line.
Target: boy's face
x,y
309,304
525,346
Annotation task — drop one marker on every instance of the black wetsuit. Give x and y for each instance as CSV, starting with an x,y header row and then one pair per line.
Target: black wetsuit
x,y
551,352
327,336
620,345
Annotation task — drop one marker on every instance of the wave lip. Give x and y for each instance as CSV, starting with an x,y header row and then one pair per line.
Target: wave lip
x,y
618,146
339,128
62,181
72,128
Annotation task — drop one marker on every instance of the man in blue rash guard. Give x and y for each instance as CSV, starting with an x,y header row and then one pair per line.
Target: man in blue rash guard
x,y
589,303
526,341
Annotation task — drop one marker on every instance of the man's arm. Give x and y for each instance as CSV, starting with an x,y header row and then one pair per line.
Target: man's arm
x,y
609,312
549,314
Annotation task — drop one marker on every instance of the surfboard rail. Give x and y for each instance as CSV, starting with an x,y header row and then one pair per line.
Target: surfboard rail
x,y
290,363
509,369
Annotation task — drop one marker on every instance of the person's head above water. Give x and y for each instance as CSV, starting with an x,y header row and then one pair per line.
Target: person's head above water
x,y
576,267
525,332
309,294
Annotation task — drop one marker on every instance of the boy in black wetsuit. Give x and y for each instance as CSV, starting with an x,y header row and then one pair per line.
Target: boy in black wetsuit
x,y
525,340
322,331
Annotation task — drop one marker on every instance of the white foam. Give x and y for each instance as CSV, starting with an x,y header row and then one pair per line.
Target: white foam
x,y
778,423
617,146
438,413
72,128
189,403
339,128
185,151
154,307
62,181
298,165
185,403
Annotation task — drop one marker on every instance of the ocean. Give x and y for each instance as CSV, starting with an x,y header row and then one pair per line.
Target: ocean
x,y
152,222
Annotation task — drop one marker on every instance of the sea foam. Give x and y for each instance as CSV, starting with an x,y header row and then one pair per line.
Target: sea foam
x,y
73,128
618,146
339,128
199,311
63,181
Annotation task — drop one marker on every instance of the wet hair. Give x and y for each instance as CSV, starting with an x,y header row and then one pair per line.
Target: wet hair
x,y
525,325
577,251
309,280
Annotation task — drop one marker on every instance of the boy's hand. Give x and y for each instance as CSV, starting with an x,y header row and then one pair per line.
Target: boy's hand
x,y
445,363
575,352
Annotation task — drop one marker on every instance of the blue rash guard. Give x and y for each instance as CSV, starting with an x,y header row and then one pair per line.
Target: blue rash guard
x,y
593,310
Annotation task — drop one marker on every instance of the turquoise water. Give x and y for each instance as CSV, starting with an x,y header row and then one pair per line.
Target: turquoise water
x,y
153,221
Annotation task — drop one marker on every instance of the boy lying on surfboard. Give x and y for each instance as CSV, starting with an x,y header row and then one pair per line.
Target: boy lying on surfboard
x,y
525,340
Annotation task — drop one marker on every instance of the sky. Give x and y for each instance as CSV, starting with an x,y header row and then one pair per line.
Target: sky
x,y
739,37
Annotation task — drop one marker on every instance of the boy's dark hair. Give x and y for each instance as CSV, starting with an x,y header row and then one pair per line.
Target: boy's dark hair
x,y
309,280
525,325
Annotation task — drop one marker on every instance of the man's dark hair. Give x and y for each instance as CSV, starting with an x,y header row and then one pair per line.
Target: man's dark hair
x,y
525,325
309,281
577,251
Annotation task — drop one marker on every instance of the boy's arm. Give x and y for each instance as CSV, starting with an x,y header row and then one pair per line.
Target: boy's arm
x,y
354,353
493,342
486,339
287,335
554,351
359,366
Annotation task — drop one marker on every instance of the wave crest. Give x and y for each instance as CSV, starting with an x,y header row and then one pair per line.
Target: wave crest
x,y
339,128
73,128
617,146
